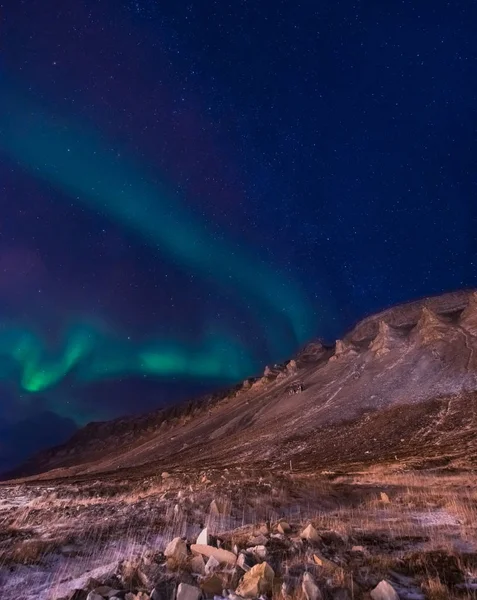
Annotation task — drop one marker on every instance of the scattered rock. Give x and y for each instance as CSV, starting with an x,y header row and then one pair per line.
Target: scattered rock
x,y
245,562
259,552
257,581
257,540
310,534
212,565
283,527
187,592
321,561
203,537
384,591
309,587
223,556
177,550
197,564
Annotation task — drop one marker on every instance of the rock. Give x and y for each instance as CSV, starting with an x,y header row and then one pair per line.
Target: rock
x,y
384,591
384,498
291,366
203,537
310,534
259,552
177,550
223,556
245,562
198,564
165,475
321,561
264,529
257,540
94,596
309,587
187,592
283,527
257,581
359,550
212,565
212,586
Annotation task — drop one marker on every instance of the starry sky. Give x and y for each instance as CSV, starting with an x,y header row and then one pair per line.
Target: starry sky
x,y
192,190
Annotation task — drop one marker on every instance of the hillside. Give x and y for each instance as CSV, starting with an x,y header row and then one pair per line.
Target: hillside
x,y
408,374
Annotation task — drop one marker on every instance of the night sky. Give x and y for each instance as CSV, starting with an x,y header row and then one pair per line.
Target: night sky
x,y
192,190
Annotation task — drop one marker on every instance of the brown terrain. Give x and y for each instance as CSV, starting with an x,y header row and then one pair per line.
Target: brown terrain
x,y
366,449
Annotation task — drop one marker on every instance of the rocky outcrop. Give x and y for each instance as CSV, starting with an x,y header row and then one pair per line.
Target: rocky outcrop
x,y
432,328
387,339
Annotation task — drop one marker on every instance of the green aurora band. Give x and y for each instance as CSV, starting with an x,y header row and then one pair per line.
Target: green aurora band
x,y
78,163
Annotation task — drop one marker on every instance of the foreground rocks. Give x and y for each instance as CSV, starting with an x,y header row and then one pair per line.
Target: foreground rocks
x,y
282,561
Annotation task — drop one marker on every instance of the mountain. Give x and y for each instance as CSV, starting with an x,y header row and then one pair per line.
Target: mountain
x,y
401,383
347,472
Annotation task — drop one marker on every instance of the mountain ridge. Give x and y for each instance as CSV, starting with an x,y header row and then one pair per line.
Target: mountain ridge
x,y
415,353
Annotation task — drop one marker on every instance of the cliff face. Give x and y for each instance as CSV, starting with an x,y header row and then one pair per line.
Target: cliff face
x,y
410,371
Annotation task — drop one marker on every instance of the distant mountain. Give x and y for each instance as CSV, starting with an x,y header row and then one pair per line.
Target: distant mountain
x,y
402,383
20,440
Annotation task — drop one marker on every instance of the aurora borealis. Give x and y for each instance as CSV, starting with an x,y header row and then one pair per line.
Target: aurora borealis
x,y
190,191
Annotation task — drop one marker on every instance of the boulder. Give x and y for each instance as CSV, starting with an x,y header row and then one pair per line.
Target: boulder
x,y
257,581
384,498
384,591
176,549
94,596
309,587
310,534
187,592
223,556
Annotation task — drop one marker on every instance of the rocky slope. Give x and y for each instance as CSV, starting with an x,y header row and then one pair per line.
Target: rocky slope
x,y
401,380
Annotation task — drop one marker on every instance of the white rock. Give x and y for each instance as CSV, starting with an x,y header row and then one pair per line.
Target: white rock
x,y
384,591
203,537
